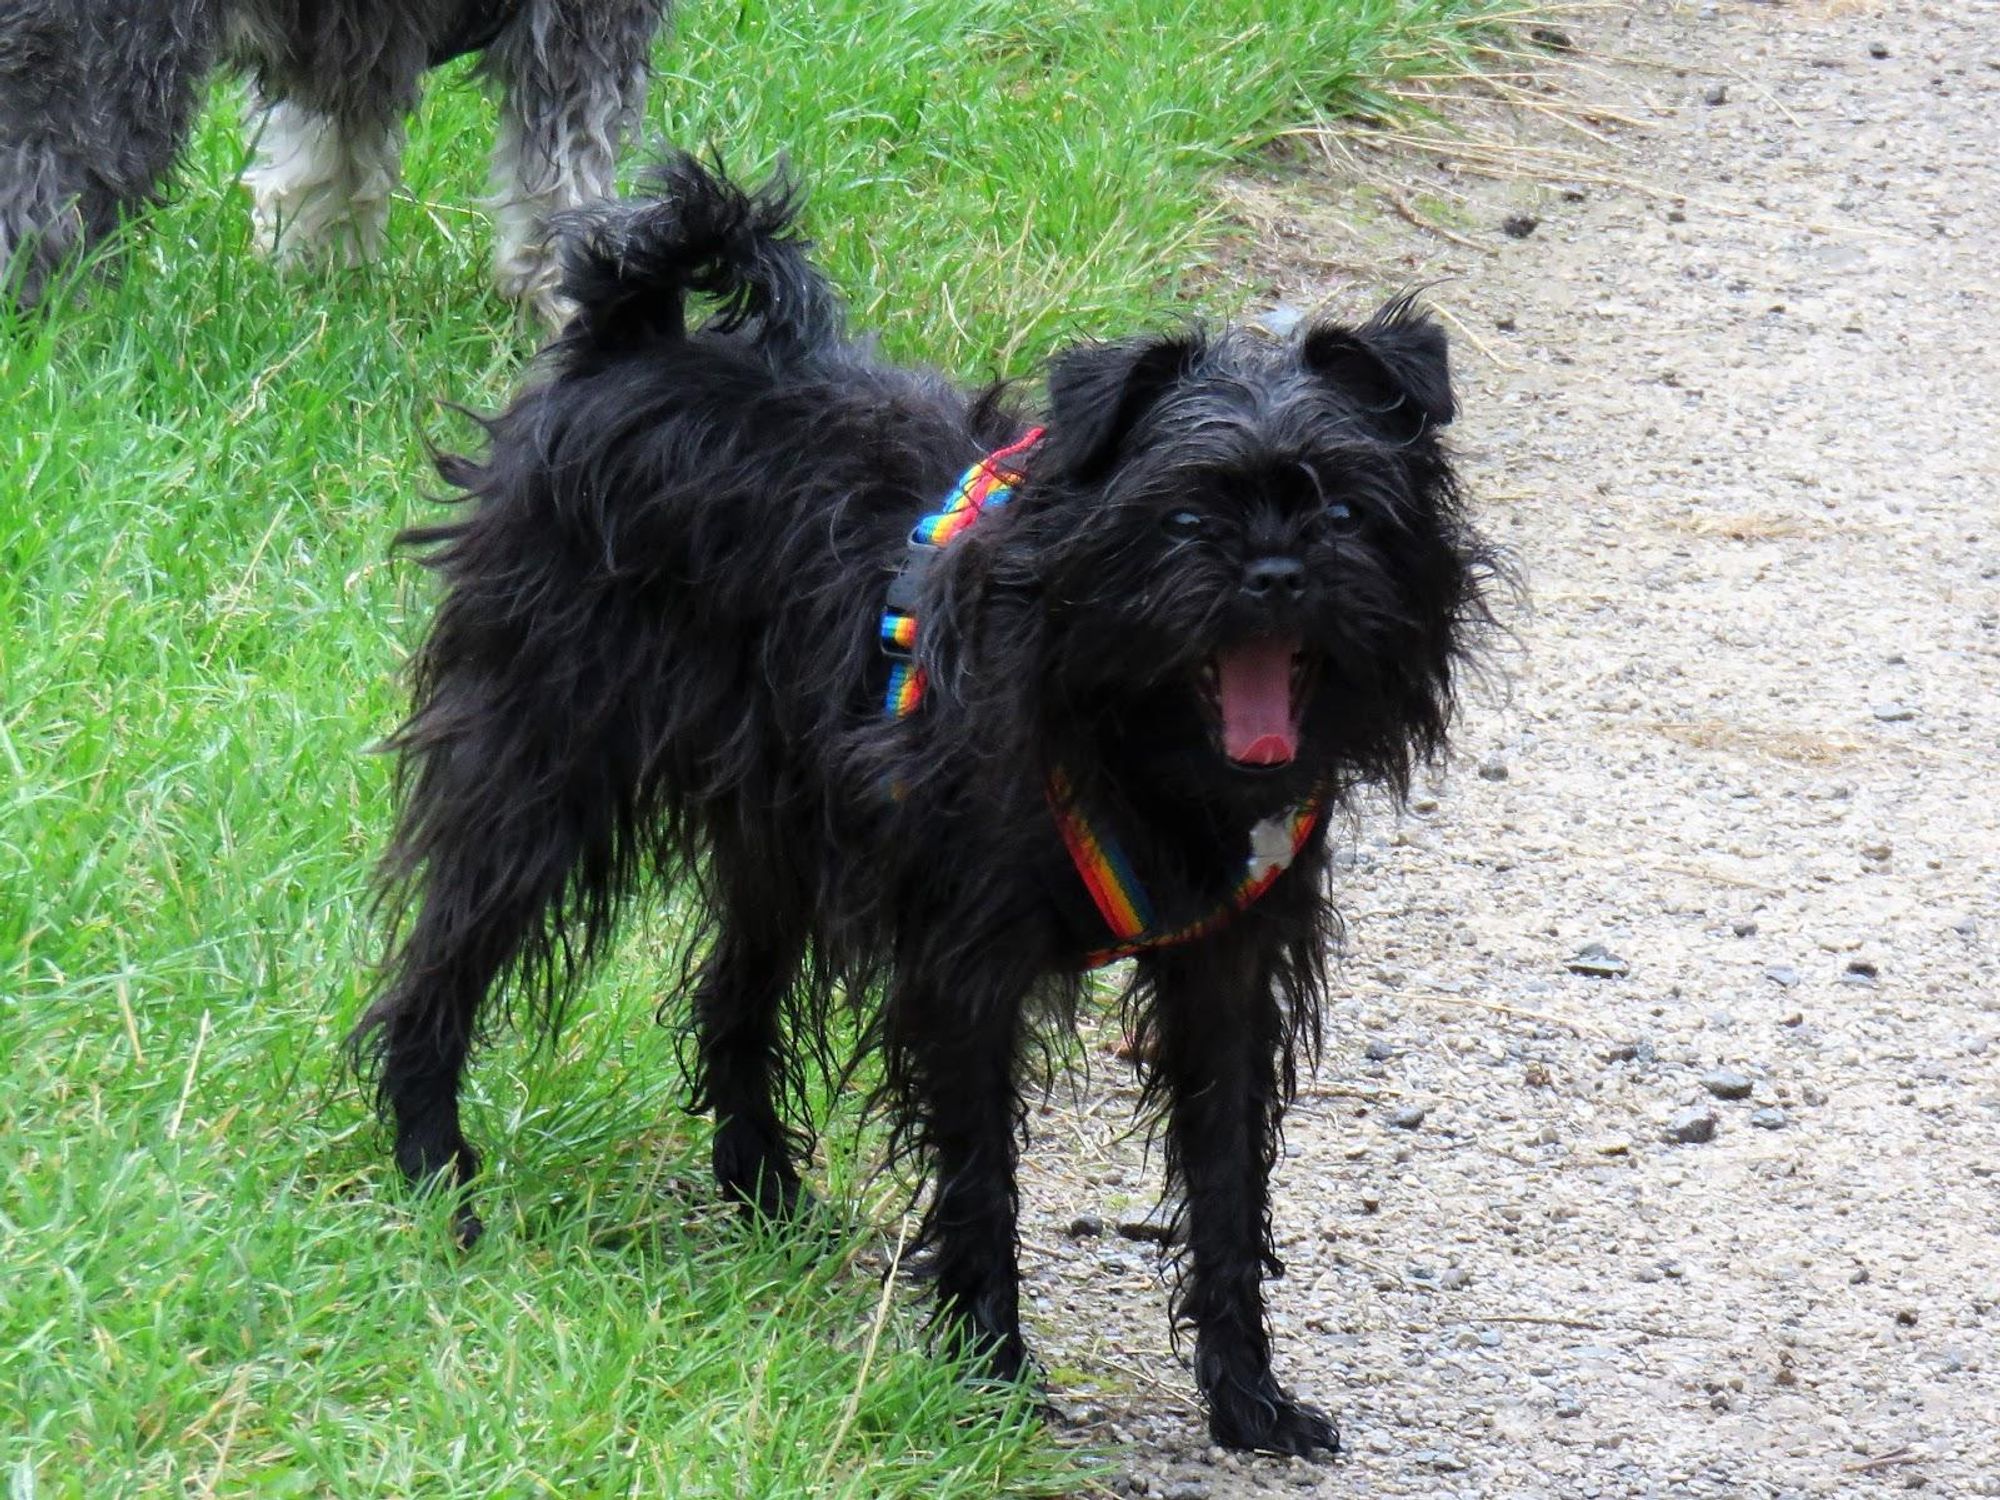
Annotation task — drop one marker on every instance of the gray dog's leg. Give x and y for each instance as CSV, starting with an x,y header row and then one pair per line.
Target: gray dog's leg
x,y
573,80
319,189
333,85
96,99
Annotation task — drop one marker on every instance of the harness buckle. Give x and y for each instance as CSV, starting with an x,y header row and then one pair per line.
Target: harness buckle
x,y
908,584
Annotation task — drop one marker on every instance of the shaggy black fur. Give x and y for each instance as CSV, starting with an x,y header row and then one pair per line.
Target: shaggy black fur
x,y
656,660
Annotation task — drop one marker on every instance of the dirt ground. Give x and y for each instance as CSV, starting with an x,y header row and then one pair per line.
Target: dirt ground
x,y
1734,405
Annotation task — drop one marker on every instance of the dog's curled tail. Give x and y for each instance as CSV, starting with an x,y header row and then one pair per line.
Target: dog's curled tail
x,y
630,265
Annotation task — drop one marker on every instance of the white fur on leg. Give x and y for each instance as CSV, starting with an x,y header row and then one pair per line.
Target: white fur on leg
x,y
318,191
534,179
528,187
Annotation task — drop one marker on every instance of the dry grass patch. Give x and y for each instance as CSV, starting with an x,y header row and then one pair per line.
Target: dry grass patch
x,y
1800,747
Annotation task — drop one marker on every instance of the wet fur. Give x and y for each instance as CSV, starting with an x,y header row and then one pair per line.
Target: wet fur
x,y
655,660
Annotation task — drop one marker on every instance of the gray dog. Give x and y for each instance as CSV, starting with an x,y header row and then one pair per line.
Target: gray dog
x,y
97,98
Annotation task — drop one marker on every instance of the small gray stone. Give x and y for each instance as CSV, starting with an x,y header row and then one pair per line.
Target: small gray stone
x,y
1441,1459
1744,927
1966,927
1782,974
1727,1083
1493,768
1598,962
1718,94
1692,1127
1085,1227
1453,1278
1862,969
1187,1489
1378,1051
1894,713
1406,1116
1768,1119
1154,1229
1567,1405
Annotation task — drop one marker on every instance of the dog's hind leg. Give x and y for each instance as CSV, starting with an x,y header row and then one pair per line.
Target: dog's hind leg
x,y
95,103
1219,1033
516,848
573,80
739,1003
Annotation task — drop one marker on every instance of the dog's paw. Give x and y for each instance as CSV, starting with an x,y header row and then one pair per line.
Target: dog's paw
x,y
757,1177
769,1198
1271,1422
440,1160
1003,1358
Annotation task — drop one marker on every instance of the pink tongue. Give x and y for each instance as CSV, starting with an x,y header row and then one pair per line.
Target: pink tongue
x,y
1255,682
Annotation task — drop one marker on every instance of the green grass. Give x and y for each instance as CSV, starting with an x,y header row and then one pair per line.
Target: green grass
x,y
212,1285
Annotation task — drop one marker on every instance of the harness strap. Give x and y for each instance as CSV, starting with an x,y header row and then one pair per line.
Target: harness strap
x,y
988,484
1108,875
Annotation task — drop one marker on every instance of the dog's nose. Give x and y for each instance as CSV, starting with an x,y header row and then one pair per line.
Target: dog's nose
x,y
1275,579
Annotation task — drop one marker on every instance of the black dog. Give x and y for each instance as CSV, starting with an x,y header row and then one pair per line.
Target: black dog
x,y
98,96
1232,583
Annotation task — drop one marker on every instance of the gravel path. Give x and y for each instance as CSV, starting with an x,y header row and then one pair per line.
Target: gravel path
x,y
1744,443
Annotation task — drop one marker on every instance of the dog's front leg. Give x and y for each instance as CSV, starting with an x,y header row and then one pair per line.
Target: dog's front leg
x,y
1220,1035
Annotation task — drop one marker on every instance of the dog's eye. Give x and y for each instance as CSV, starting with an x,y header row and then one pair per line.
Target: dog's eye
x,y
1340,515
1183,525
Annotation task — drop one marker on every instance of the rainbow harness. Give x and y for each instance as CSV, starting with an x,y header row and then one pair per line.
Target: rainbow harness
x,y
1121,900
1100,861
990,482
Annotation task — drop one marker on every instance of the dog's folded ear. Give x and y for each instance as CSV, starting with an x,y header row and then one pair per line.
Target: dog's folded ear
x,y
1098,393
1397,364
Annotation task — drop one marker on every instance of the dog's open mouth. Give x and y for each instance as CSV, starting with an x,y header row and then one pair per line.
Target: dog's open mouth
x,y
1257,692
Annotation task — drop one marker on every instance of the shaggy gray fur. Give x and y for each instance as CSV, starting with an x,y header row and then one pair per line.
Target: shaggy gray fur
x,y
97,98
